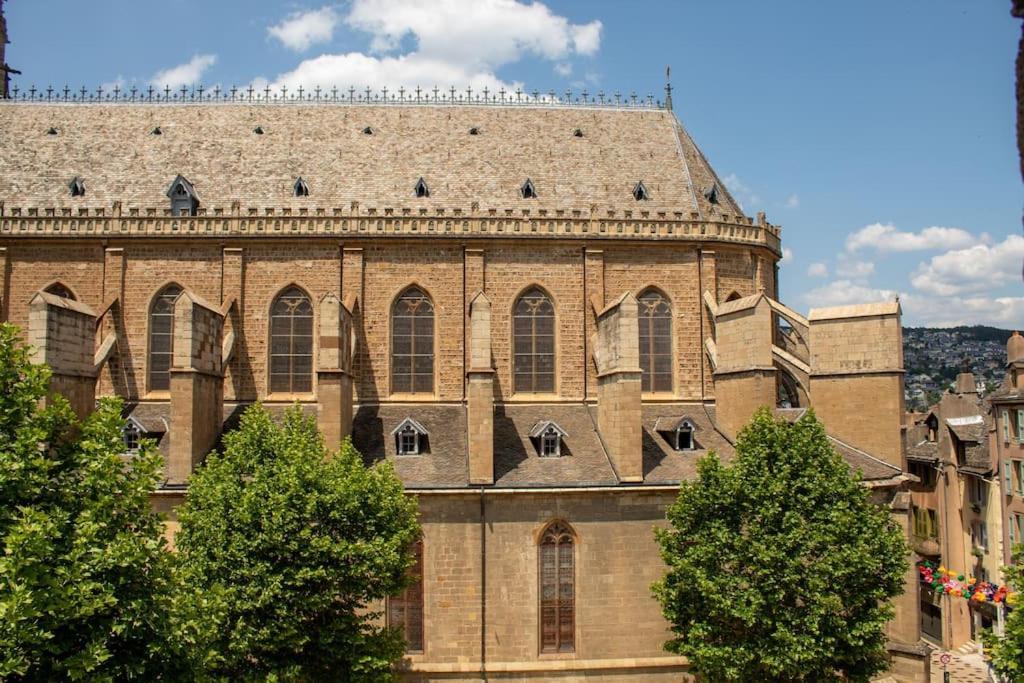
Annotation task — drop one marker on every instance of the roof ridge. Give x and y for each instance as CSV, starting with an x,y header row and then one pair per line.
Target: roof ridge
x,y
707,165
864,453
200,94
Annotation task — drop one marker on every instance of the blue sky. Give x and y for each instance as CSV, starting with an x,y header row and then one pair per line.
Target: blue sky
x,y
879,134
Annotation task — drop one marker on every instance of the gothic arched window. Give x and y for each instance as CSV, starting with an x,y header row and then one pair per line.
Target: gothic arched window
x,y
161,336
655,342
291,342
557,590
533,332
405,610
412,343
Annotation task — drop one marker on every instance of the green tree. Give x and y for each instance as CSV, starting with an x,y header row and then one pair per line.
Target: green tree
x,y
84,572
285,547
1007,652
779,566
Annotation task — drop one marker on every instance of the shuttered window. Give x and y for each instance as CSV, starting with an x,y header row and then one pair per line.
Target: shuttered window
x,y
533,330
655,342
405,611
557,590
291,342
161,336
412,343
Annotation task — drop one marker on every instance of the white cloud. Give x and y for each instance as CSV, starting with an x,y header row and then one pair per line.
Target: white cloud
x,y
885,237
854,270
118,82
188,73
977,268
846,292
303,29
739,190
930,311
563,69
586,38
793,202
458,43
817,270
363,71
787,255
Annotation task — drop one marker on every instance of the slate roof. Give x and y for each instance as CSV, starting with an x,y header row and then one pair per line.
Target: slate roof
x,y
665,465
923,451
442,463
870,467
517,464
112,149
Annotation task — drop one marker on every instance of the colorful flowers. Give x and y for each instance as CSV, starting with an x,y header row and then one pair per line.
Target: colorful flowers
x,y
944,580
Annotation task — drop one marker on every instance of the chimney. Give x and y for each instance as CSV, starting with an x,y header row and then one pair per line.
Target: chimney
x,y
965,384
617,355
480,393
1015,359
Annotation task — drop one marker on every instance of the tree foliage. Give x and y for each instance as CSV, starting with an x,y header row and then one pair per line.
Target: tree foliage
x,y
84,572
284,548
1007,652
779,566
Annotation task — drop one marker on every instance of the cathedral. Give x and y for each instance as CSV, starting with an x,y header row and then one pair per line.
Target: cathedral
x,y
542,313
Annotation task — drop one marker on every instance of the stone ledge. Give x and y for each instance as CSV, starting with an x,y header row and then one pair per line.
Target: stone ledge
x,y
552,665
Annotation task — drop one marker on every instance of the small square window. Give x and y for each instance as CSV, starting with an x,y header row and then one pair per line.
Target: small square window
x,y
131,435
408,442
550,445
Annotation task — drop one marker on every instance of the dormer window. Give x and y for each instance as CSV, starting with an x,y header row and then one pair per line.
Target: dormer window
x,y
678,432
578,133
367,131
51,131
528,191
131,435
300,188
684,437
547,438
640,192
77,187
474,131
258,130
711,193
410,437
156,131
421,189
137,428
184,201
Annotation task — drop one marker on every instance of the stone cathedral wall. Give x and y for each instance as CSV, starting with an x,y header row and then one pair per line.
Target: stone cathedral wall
x,y
576,275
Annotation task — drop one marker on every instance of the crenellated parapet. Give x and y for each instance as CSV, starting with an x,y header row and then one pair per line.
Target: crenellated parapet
x,y
32,223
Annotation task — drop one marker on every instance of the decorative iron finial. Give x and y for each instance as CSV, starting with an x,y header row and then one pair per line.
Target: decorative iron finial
x,y
668,88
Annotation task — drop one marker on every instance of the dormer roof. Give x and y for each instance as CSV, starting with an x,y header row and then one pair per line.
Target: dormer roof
x,y
543,426
672,424
183,181
408,423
